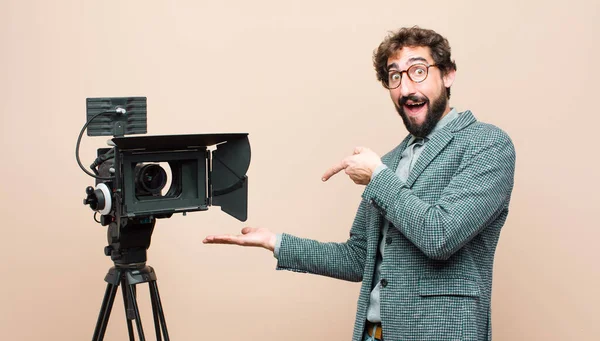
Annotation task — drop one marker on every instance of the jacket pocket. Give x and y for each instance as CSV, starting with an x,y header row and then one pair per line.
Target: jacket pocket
x,y
447,309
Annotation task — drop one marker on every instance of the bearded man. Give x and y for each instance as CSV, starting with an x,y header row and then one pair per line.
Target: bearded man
x,y
425,234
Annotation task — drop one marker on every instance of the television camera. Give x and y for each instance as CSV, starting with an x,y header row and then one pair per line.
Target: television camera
x,y
144,178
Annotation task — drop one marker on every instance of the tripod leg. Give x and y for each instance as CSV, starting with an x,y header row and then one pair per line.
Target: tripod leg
x,y
128,311
107,303
138,321
154,312
156,304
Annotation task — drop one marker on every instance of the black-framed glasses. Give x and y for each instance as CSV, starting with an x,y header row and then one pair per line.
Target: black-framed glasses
x,y
416,72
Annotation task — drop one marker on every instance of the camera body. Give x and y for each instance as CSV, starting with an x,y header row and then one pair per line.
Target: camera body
x,y
144,178
198,177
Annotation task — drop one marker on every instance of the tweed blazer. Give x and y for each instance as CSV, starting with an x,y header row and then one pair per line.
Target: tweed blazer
x,y
445,221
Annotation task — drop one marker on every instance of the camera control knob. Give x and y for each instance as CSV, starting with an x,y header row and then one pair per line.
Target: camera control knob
x,y
91,198
108,250
99,198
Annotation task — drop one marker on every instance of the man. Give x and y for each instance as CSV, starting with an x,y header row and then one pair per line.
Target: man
x,y
424,237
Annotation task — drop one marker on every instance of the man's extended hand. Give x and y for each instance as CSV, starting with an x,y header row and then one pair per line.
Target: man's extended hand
x,y
251,236
359,166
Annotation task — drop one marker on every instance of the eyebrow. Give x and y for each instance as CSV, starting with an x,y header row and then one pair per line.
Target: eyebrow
x,y
393,65
415,59
410,60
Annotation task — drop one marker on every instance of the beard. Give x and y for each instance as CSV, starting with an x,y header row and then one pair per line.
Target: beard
x,y
435,110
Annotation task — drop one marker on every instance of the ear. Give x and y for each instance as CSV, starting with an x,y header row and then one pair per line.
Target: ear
x,y
448,78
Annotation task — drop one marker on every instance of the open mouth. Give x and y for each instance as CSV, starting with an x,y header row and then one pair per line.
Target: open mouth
x,y
414,108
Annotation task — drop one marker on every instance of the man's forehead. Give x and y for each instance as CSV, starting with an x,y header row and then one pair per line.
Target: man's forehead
x,y
409,55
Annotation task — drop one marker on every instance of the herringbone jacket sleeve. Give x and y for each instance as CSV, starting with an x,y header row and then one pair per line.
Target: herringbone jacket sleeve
x,y
477,193
338,260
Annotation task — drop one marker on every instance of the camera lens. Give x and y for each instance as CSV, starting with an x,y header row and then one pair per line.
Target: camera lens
x,y
150,178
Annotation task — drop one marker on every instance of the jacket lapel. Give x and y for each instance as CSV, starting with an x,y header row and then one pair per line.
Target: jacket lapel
x,y
432,149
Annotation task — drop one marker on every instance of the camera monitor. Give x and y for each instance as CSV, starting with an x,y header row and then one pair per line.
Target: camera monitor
x,y
116,116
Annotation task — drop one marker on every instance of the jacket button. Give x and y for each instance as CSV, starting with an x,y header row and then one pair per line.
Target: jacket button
x,y
388,240
384,282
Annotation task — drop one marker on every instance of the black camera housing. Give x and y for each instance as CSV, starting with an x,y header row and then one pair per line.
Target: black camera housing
x,y
205,170
199,177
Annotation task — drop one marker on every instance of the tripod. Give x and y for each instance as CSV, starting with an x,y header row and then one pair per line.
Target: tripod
x,y
128,276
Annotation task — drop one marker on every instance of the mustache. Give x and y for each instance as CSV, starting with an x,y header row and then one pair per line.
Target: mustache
x,y
412,98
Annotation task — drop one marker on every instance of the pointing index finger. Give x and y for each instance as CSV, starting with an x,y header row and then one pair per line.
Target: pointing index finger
x,y
334,170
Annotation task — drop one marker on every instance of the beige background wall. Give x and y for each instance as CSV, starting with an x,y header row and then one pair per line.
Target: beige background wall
x,y
297,76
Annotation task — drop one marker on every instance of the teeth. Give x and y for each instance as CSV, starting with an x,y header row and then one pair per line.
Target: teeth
x,y
414,104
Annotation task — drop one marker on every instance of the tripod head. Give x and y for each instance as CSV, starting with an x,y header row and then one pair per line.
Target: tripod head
x,y
128,245
128,241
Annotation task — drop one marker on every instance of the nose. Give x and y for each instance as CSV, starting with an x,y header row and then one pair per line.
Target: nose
x,y
407,87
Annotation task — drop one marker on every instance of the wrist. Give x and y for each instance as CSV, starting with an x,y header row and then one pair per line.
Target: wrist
x,y
271,242
376,165
377,170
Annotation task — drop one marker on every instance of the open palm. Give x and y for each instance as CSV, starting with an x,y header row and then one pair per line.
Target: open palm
x,y
251,236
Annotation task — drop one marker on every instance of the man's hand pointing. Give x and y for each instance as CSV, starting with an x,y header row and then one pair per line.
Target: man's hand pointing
x,y
359,166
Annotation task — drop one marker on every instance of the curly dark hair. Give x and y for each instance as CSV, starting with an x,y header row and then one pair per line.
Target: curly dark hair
x,y
413,37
